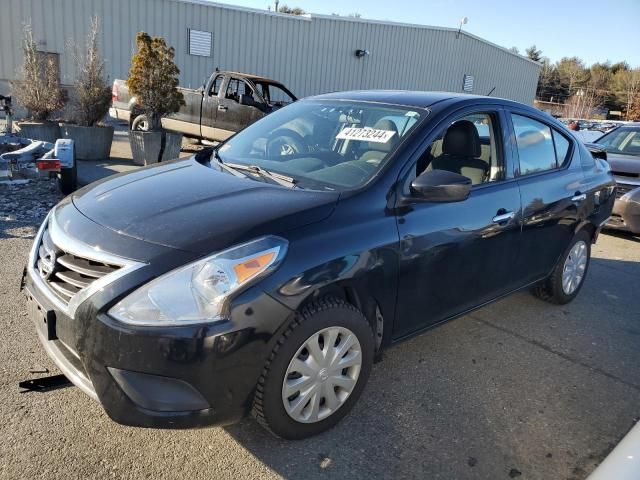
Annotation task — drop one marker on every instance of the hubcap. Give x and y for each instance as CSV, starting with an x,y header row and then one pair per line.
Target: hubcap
x,y
322,374
574,268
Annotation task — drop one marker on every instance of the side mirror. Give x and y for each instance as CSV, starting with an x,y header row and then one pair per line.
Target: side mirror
x,y
247,100
441,186
597,150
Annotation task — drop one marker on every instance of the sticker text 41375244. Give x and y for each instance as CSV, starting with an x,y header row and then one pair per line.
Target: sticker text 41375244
x,y
366,134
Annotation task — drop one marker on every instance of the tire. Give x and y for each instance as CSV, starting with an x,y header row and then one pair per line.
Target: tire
x,y
140,124
322,319
68,179
552,288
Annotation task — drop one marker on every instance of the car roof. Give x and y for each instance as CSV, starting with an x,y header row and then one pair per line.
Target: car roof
x,y
409,98
250,76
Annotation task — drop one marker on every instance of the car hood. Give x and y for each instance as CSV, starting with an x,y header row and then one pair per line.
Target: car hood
x,y
186,205
626,164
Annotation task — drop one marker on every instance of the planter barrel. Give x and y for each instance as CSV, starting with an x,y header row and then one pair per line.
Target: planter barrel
x,y
91,143
145,146
44,131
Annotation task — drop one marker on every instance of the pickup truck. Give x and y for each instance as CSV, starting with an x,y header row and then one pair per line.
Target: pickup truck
x,y
225,104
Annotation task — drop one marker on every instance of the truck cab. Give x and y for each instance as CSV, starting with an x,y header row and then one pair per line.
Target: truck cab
x,y
225,104
232,101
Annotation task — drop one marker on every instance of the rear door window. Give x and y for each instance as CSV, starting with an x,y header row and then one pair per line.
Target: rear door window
x,y
534,141
237,87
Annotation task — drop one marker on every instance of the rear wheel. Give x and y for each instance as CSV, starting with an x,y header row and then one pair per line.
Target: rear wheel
x,y
567,277
316,372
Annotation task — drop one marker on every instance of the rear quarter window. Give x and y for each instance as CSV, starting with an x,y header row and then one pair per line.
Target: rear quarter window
x,y
562,145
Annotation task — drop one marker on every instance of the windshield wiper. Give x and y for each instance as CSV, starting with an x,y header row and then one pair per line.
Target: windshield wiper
x,y
255,169
273,176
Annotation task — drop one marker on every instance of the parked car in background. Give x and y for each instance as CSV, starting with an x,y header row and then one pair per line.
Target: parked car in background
x,y
225,104
623,154
269,279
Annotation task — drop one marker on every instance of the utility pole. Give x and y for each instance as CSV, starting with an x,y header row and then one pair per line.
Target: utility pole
x,y
276,2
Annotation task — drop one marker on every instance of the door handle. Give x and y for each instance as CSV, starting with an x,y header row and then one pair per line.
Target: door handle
x,y
504,217
578,197
222,108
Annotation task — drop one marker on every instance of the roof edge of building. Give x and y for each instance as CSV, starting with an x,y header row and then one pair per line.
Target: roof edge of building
x,y
311,16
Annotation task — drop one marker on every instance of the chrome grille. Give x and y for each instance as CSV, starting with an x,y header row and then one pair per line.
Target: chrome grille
x,y
66,273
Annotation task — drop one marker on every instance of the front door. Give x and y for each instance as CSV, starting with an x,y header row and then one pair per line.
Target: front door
x,y
455,256
233,116
210,102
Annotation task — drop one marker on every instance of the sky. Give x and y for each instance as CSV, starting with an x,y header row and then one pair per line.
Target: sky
x,y
595,31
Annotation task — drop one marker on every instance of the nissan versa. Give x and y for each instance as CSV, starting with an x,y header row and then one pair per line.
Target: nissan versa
x,y
265,275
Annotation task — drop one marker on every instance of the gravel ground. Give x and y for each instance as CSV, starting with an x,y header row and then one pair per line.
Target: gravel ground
x,y
27,200
520,389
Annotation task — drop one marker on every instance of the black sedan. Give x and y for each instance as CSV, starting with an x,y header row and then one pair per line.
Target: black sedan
x,y
623,154
252,279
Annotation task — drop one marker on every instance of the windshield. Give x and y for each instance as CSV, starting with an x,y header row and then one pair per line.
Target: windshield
x,y
624,140
323,145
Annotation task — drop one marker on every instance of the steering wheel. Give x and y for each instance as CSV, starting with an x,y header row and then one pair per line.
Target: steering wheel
x,y
285,142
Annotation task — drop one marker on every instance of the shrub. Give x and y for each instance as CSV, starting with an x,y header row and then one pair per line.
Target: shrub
x,y
93,93
153,79
38,87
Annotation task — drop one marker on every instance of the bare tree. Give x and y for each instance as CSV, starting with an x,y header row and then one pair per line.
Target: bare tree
x,y
93,94
591,95
38,86
572,73
627,84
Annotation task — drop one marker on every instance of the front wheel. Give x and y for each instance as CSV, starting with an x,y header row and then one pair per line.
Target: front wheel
x,y
316,372
140,124
567,277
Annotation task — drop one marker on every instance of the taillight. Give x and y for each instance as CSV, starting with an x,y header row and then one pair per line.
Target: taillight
x,y
114,93
48,164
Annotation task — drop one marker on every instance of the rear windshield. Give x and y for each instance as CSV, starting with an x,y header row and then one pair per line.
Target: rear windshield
x,y
324,145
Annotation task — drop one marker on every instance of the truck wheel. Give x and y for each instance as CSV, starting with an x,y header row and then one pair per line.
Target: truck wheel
x,y
68,179
567,277
140,124
316,371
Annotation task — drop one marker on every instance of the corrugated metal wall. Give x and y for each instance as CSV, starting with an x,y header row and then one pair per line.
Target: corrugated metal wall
x,y
309,54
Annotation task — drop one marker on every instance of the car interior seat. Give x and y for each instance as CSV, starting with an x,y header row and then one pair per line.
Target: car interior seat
x,y
377,151
461,150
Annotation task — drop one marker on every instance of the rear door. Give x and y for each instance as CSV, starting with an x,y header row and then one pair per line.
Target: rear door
x,y
552,187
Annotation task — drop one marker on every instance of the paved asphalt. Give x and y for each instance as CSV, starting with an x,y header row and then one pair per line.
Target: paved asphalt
x,y
520,389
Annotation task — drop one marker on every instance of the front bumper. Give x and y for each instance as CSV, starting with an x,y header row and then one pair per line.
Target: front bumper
x,y
626,212
177,377
166,377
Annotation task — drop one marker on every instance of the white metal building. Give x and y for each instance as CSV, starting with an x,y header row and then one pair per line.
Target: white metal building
x,y
310,54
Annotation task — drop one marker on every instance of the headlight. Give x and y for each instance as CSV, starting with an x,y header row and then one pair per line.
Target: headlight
x,y
199,292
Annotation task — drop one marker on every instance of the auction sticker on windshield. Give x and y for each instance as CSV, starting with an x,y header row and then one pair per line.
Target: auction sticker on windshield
x,y
366,135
